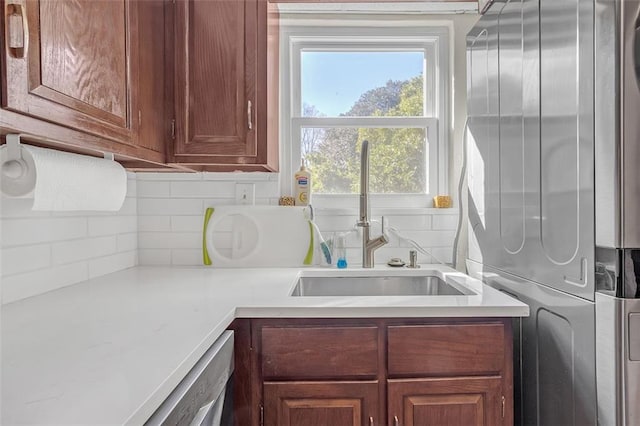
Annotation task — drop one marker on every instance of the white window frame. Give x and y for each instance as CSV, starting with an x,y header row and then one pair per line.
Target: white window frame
x,y
433,40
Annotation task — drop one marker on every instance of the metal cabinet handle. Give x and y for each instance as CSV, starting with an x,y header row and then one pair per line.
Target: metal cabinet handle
x,y
17,32
636,51
249,122
371,423
396,422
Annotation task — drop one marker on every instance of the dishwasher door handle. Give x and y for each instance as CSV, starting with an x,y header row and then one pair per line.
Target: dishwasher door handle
x,y
209,414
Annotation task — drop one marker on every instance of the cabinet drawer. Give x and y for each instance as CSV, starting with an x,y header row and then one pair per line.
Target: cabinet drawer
x,y
319,352
437,350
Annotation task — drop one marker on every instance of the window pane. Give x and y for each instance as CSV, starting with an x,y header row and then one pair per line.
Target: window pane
x,y
358,84
397,159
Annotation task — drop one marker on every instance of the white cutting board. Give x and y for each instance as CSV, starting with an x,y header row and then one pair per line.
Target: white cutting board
x,y
257,236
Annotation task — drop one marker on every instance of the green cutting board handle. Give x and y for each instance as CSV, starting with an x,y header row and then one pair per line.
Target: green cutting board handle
x,y
205,253
309,258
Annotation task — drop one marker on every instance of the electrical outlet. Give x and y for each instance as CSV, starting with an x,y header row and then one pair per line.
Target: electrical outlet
x,y
246,193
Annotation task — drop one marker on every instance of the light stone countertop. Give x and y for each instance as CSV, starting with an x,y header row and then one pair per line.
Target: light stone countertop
x,y
111,349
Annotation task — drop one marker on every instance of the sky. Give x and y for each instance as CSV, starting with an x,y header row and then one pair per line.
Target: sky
x,y
350,74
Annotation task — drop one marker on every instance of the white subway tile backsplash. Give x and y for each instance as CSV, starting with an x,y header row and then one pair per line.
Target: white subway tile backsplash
x,y
20,286
384,254
141,177
266,201
19,208
169,206
187,223
240,177
82,249
115,262
161,222
25,258
109,225
442,254
43,251
445,222
203,189
329,223
18,232
132,185
268,189
434,238
127,242
154,189
186,257
154,223
410,222
170,240
129,207
154,256
215,202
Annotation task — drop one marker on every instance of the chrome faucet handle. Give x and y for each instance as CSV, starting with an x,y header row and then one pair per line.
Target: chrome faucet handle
x,y
384,231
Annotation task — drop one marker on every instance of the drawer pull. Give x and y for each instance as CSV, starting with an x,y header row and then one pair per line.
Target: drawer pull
x,y
249,114
396,422
371,423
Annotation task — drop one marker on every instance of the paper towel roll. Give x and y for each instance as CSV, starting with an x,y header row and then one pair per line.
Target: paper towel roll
x,y
60,181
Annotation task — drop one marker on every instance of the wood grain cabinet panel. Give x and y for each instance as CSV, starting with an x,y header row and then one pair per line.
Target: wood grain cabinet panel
x,y
460,401
442,372
320,403
78,67
154,127
319,352
221,84
441,350
362,1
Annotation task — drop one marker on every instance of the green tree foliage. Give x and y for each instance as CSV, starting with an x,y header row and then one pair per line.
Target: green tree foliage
x,y
378,101
397,156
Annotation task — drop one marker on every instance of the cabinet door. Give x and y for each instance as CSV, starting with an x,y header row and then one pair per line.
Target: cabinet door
x,y
321,403
69,62
469,401
152,120
221,83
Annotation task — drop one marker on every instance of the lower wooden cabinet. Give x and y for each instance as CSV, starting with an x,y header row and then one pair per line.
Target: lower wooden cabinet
x,y
321,403
370,372
460,401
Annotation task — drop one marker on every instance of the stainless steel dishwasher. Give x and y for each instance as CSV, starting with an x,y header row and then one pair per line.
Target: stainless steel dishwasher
x,y
205,396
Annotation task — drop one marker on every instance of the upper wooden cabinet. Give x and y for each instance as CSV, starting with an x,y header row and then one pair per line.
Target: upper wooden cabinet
x,y
75,66
368,1
220,63
75,76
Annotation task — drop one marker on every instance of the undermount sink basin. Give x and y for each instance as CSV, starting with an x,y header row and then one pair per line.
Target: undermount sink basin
x,y
428,285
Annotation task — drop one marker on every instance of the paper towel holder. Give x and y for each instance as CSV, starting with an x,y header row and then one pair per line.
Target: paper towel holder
x,y
14,165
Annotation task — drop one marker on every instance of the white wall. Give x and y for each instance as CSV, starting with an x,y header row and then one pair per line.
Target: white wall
x,y
462,24
42,251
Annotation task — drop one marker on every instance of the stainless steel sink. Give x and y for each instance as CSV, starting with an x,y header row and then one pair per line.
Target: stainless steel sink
x,y
428,285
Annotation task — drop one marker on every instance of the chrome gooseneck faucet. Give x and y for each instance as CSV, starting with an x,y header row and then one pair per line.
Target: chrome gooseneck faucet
x,y
368,245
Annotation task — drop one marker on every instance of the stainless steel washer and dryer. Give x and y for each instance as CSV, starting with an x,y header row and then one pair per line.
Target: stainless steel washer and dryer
x,y
554,198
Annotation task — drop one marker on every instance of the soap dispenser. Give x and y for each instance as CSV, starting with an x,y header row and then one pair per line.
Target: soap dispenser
x,y
302,185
